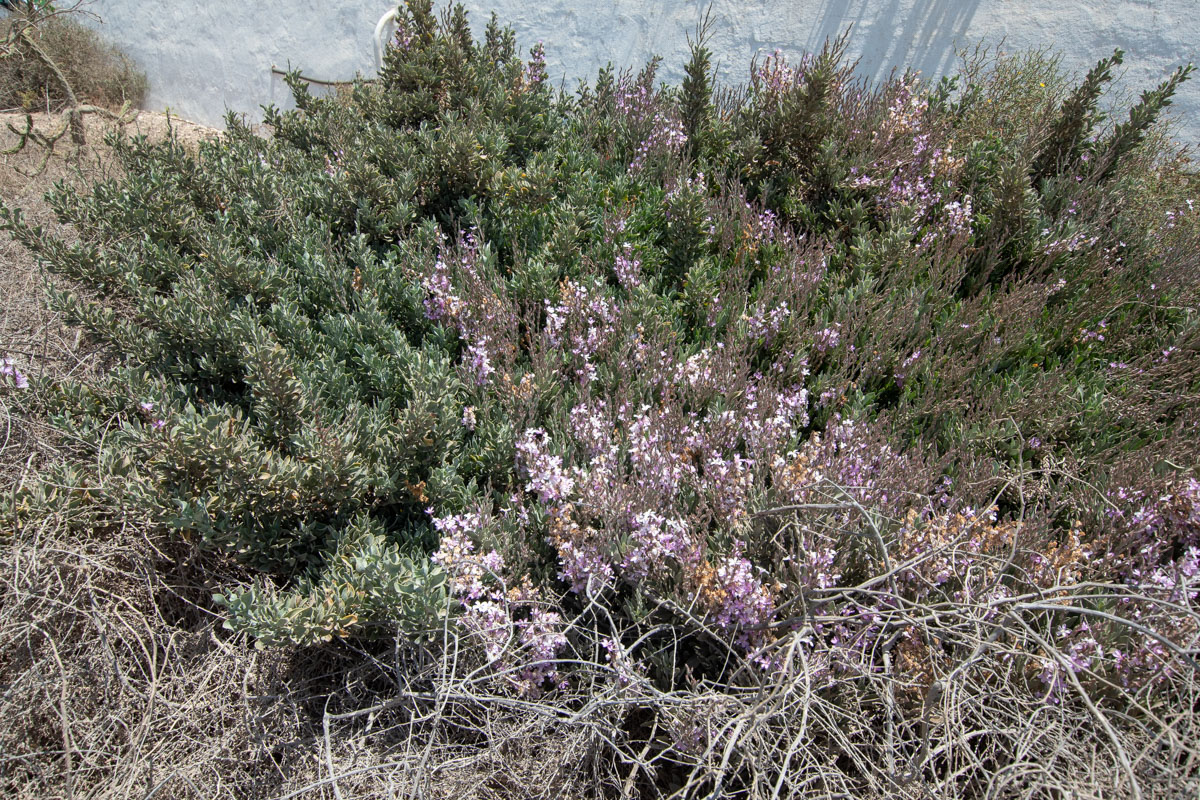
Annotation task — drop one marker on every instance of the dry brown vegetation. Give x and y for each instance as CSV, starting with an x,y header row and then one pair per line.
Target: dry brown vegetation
x,y
95,70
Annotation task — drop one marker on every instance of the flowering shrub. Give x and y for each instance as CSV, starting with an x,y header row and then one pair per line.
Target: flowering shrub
x,y
815,380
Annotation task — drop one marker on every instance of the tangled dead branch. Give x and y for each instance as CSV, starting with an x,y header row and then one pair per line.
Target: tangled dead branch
x,y
129,686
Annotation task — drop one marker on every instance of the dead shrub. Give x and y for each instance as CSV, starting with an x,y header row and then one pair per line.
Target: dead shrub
x,y
98,72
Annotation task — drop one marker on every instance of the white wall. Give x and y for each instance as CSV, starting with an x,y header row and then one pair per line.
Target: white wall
x,y
206,56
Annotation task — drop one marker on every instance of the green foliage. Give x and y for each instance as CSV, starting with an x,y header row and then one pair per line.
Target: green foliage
x,y
365,582
1076,121
1129,134
696,90
327,339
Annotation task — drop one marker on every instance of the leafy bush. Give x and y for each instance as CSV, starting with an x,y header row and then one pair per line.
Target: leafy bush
x,y
813,380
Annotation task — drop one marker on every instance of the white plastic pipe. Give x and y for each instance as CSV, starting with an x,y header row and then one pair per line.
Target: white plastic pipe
x,y
387,19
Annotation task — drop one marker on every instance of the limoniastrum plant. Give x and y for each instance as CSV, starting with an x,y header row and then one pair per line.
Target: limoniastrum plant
x,y
714,382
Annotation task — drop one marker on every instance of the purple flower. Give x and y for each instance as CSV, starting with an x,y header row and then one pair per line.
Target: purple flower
x,y
403,37
442,302
547,478
587,570
628,268
147,407
468,572
666,138
654,541
8,369
765,324
746,601
479,364
542,635
827,339
626,669
493,626
536,71
729,481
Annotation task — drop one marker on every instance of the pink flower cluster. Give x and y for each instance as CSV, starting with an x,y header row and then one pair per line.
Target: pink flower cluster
x,y
536,70
547,477
666,138
827,339
479,362
628,268
520,639
657,543
147,409
774,77
582,322
746,602
458,296
657,123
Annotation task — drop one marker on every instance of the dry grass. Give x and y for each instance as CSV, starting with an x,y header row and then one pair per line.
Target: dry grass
x,y
120,683
98,72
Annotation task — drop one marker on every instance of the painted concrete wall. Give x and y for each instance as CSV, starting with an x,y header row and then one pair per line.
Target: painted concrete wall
x,y
211,55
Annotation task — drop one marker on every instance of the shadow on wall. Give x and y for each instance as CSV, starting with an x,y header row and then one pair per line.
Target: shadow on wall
x,y
926,37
